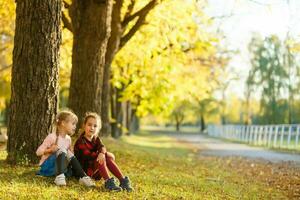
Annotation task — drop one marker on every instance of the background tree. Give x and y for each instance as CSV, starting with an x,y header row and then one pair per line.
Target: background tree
x,y
124,28
152,79
178,113
34,77
291,60
105,22
91,29
270,74
7,26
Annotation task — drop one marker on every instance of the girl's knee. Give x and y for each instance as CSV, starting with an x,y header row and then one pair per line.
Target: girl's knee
x,y
61,152
110,156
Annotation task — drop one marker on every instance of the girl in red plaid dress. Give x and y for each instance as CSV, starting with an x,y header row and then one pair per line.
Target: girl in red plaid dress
x,y
95,160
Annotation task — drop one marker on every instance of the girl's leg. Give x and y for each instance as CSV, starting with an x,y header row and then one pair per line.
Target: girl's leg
x,y
113,167
61,166
109,182
61,163
102,169
79,173
76,168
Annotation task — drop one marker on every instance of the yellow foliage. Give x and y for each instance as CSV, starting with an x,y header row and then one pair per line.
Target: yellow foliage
x,y
7,17
160,63
65,59
7,26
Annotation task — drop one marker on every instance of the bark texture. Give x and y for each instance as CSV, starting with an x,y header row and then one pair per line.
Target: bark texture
x,y
34,85
91,21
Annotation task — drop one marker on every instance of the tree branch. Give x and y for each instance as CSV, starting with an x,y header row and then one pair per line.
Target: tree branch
x,y
66,5
142,12
3,48
129,9
67,23
132,31
6,67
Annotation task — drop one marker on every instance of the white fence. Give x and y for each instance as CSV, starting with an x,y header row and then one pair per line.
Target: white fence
x,y
276,136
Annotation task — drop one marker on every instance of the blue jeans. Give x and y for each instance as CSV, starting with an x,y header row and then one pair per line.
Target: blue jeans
x,y
49,168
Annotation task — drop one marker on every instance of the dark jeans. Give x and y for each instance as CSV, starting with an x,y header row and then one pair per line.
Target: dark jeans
x,y
63,166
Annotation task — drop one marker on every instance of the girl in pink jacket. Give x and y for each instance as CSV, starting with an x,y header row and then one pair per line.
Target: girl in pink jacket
x,y
56,154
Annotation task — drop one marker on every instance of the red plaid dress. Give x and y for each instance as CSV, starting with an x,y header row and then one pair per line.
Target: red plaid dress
x,y
87,152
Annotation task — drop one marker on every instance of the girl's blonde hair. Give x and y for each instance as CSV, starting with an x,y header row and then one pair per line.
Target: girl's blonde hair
x,y
63,115
96,117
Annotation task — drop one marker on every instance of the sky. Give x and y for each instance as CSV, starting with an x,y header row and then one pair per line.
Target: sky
x,y
245,17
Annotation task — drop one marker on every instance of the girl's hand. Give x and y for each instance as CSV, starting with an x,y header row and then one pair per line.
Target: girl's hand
x,y
53,148
103,150
110,155
101,158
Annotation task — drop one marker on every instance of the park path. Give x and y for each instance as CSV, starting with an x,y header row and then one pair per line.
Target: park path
x,y
214,147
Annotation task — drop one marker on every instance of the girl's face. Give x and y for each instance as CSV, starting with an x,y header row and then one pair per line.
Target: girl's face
x,y
90,127
69,126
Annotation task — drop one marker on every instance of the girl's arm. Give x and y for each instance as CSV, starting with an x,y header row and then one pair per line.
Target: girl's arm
x,y
70,150
47,147
100,146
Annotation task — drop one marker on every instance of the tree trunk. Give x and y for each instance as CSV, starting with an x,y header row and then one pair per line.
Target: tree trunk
x,y
113,110
92,57
117,114
34,86
135,122
128,116
91,29
116,41
112,48
177,126
202,123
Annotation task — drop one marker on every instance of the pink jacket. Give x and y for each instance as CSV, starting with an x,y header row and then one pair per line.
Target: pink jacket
x,y
62,143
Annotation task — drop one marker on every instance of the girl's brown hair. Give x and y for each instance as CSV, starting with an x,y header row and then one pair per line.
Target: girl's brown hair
x,y
96,117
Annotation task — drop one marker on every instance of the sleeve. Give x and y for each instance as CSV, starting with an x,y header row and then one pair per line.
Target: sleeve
x,y
48,141
82,152
100,145
70,149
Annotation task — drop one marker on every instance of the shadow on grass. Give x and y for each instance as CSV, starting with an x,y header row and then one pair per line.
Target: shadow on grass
x,y
125,152
29,178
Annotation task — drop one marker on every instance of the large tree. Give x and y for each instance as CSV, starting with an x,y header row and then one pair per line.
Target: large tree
x,y
34,85
100,30
117,40
91,29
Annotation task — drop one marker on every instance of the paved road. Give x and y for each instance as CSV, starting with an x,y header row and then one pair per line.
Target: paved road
x,y
214,147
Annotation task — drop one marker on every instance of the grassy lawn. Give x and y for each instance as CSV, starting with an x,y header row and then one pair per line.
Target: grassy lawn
x,y
160,168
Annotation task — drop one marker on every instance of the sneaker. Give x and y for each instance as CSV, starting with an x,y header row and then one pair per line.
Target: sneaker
x,y
125,184
87,181
111,185
60,180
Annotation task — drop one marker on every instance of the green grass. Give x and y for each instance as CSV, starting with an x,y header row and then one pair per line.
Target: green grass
x,y
159,167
